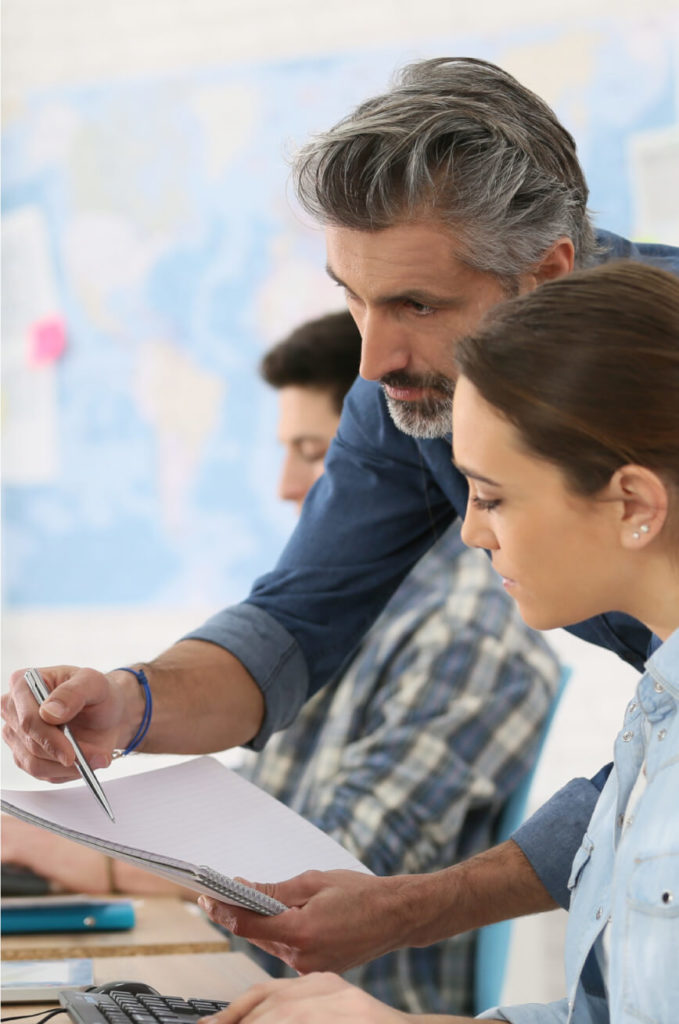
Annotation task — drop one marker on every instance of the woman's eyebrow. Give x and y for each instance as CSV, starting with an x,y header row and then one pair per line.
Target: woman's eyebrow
x,y
473,475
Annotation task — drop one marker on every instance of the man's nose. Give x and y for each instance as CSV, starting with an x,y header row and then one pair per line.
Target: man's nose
x,y
295,480
385,347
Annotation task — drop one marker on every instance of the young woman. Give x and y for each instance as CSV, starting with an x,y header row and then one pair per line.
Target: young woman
x,y
566,425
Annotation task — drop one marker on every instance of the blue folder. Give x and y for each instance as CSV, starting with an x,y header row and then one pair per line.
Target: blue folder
x,y
53,915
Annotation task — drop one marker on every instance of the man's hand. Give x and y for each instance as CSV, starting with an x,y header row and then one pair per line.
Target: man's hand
x,y
338,919
97,711
203,700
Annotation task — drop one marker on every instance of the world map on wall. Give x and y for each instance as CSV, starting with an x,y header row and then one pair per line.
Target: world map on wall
x,y
152,252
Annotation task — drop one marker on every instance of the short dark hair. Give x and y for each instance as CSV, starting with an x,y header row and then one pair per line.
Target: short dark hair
x,y
323,354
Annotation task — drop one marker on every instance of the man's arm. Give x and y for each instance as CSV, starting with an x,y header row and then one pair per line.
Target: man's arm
x,y
203,700
551,837
369,519
340,918
365,523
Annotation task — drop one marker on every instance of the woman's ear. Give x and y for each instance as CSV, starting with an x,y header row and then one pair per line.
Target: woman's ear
x,y
643,504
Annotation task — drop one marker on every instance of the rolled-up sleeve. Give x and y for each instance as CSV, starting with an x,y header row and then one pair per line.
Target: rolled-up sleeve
x,y
271,656
551,837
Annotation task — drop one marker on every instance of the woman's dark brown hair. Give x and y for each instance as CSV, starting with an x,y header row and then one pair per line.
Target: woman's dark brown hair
x,y
587,370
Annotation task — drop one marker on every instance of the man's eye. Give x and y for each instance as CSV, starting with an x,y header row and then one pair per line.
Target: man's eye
x,y
420,308
485,505
312,455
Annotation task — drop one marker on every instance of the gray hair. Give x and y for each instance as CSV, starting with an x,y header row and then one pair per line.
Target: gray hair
x,y
461,141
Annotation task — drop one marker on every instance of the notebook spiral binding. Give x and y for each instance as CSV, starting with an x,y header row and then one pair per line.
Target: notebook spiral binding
x,y
241,894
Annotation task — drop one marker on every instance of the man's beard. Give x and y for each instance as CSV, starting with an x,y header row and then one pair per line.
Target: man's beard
x,y
427,417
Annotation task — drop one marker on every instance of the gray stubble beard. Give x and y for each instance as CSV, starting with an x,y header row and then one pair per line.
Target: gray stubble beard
x,y
425,419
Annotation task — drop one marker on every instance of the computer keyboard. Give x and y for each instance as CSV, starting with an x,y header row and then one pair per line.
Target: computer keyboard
x,y
123,1007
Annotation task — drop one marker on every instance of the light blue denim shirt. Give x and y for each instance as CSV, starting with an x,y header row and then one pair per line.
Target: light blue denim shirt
x,y
626,875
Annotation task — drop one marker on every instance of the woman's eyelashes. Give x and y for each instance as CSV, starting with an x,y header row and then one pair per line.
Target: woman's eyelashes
x,y
485,504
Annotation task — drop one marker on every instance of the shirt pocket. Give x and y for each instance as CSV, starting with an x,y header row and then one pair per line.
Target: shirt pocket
x,y
580,861
651,939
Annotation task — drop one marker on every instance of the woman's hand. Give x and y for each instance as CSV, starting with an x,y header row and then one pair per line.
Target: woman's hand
x,y
315,999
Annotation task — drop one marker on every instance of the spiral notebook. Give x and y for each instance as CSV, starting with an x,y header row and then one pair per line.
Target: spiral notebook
x,y
197,823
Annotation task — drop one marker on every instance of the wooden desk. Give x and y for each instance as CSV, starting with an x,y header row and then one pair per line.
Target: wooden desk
x,y
207,975
164,924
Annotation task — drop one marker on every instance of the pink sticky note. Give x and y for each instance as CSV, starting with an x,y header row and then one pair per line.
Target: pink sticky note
x,y
46,340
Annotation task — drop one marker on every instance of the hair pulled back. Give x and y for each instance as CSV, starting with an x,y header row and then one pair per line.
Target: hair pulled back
x,y
587,369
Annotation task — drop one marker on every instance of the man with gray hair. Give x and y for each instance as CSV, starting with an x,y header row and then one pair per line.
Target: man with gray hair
x,y
452,191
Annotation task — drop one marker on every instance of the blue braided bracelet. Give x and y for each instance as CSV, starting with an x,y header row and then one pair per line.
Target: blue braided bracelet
x,y
140,676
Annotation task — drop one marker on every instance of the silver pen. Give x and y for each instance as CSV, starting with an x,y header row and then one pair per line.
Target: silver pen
x,y
40,691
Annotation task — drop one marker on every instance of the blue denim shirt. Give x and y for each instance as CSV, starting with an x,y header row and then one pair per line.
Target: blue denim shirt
x,y
627,880
382,502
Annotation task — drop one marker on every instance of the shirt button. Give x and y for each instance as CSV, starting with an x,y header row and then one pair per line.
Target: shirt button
x,y
627,736
659,688
632,707
662,734
620,819
599,913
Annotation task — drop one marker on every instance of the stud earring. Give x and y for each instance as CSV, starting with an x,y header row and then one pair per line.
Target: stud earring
x,y
644,528
636,535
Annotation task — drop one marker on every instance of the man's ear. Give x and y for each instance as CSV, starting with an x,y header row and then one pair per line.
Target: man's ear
x,y
643,504
557,261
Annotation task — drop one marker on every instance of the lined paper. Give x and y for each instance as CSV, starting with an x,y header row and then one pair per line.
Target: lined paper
x,y
199,812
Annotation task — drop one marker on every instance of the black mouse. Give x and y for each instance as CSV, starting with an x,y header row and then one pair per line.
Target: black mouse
x,y
135,987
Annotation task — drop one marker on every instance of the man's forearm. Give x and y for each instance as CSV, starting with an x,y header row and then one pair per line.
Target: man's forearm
x,y
203,700
345,918
496,885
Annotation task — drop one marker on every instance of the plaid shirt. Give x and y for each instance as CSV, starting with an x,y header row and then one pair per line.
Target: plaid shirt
x,y
407,758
